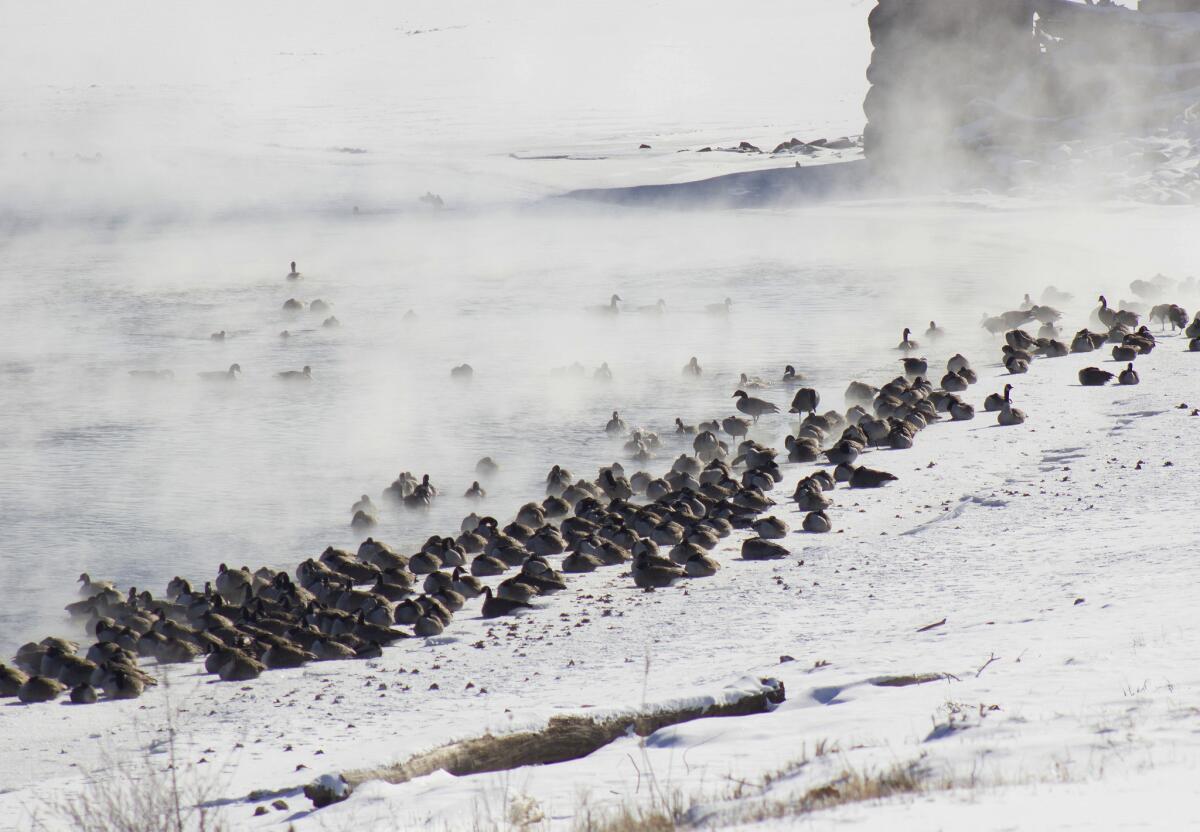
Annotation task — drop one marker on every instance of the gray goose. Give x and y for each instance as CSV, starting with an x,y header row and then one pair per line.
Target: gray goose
x,y
996,401
755,548
616,425
296,375
1128,376
228,375
654,574
907,344
807,400
752,406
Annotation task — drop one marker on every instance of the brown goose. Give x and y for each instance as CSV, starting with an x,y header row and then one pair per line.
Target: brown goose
x,y
752,406
1128,376
1094,377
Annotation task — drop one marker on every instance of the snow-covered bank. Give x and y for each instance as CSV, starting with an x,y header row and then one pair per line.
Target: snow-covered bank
x,y
1045,546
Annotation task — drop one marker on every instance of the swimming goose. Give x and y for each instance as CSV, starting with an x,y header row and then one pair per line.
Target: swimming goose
x,y
790,376
603,373
486,467
755,548
609,308
217,336
656,308
1128,376
692,368
807,400
1010,415
907,344
463,372
228,375
753,407
362,520
680,427
915,367
293,274
1094,377
475,492
331,322
319,306
934,332
870,478
88,587
296,375
722,308
616,425
292,306
748,383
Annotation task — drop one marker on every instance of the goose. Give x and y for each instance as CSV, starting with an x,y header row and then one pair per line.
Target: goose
x,y
555,506
1193,329
1052,294
692,368
755,548
1045,315
1010,415
961,411
659,307
843,452
753,407
915,367
1104,315
934,332
84,694
1128,376
1194,344
228,375
239,667
790,376
859,393
11,680
722,308
463,372
870,478
682,552
152,375
363,503
1026,303
609,308
475,492
326,649
712,426
39,689
1048,331
816,522
770,528
735,426
1125,352
517,588
293,274
616,425
486,467
806,400
362,520
292,306
428,626
654,574
296,375
217,336
465,585
285,334
581,562
748,383
603,373
952,382
494,607
1016,365
996,401
88,587
809,497
319,306
1094,377
701,565
907,344
331,322
1019,339
680,427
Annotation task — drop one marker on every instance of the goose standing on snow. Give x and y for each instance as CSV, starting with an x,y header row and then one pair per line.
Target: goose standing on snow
x,y
753,407
1105,316
723,308
229,375
907,344
296,375
806,400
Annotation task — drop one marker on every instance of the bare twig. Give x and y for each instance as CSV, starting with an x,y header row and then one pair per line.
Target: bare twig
x,y
992,658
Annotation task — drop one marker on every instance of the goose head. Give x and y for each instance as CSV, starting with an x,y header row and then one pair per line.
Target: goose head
x,y
235,368
740,394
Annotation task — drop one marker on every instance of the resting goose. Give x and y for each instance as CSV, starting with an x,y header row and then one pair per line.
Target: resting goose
x,y
817,522
870,478
996,401
770,528
1094,377
1128,376
1125,352
755,548
1010,415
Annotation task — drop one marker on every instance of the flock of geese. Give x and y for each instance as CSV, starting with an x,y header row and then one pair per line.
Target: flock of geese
x,y
662,529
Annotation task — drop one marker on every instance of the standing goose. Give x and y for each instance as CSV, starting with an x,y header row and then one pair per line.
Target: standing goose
x,y
1094,377
616,425
907,344
806,400
1106,316
722,308
734,426
227,375
296,375
1128,376
753,407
